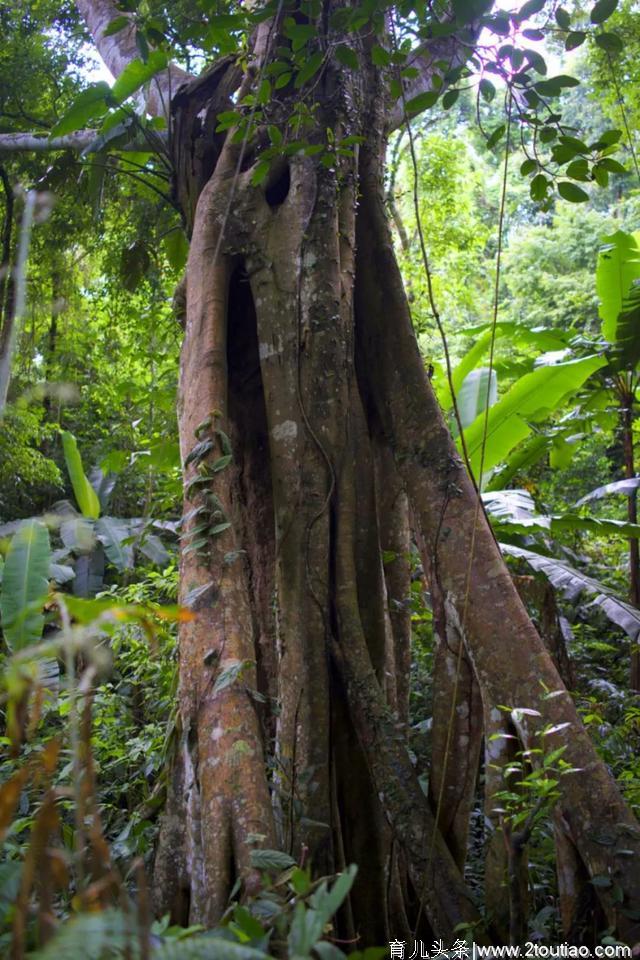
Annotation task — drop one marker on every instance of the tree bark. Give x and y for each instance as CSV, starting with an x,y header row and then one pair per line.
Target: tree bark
x,y
303,265
508,657
632,514
220,765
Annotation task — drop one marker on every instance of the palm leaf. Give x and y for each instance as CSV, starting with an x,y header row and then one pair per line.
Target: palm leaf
x,y
25,585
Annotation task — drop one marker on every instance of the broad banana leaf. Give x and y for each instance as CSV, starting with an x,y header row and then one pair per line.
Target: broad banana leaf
x,y
78,534
89,572
112,533
85,494
626,487
514,512
617,269
61,572
566,522
515,332
91,936
572,583
509,504
103,484
25,585
532,399
525,456
153,549
628,331
472,398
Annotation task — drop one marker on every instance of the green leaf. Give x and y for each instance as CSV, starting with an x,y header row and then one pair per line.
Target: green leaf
x,y
176,248
346,56
450,98
530,8
153,549
531,522
142,45
207,947
600,175
275,135
264,92
476,389
487,90
613,166
575,39
260,172
563,18
578,170
111,533
525,456
569,191
111,932
25,585
531,399
509,505
536,61
88,105
617,273
380,56
603,10
86,496
309,69
626,487
422,102
572,583
496,135
116,25
164,455
308,924
554,86
273,860
514,332
610,42
539,186
137,73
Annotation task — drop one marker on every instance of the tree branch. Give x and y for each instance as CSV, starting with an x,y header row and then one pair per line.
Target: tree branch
x,y
17,142
448,49
79,140
120,49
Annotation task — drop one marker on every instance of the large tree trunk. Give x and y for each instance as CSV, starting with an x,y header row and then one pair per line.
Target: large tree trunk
x,y
509,659
308,430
